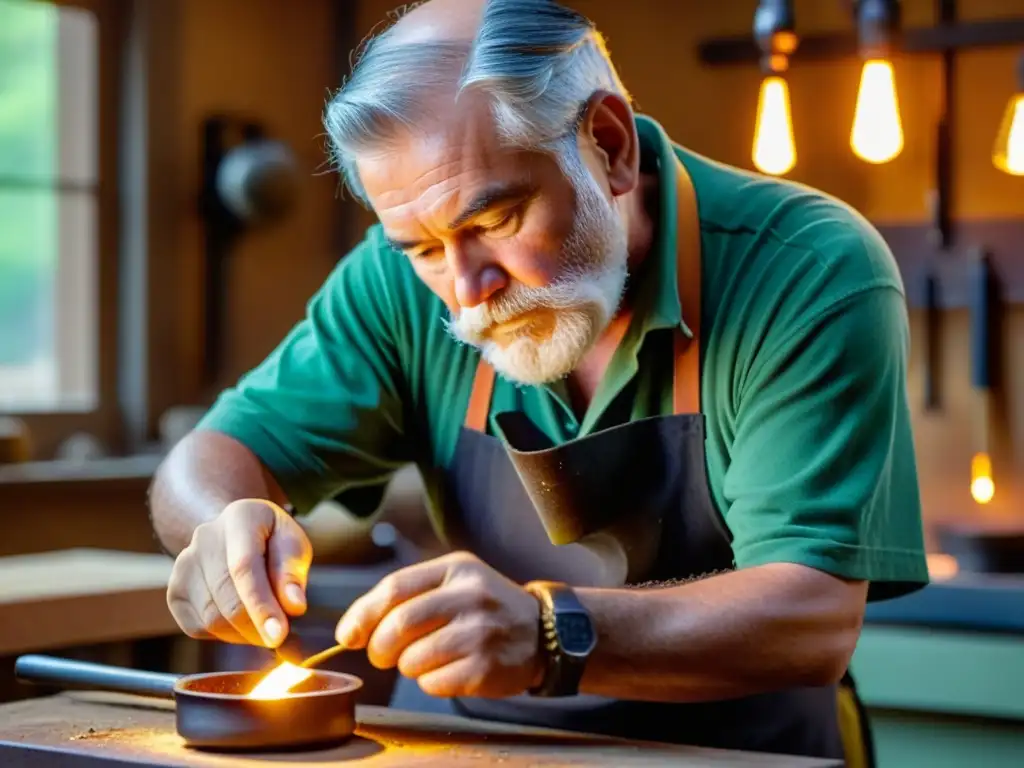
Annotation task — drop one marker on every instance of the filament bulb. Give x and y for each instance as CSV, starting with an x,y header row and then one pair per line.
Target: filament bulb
x,y
877,135
774,148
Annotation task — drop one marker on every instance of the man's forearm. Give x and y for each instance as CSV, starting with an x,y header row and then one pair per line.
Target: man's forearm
x,y
737,634
204,473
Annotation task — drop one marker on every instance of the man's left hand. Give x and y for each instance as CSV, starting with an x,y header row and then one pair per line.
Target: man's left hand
x,y
453,624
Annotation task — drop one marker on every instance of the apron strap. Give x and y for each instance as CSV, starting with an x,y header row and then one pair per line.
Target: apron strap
x,y
480,397
686,374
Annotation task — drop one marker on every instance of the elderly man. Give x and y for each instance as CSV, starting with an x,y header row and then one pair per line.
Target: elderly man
x,y
658,404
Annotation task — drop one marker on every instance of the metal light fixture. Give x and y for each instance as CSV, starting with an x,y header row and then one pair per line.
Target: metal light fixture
x,y
774,150
1008,155
877,135
983,318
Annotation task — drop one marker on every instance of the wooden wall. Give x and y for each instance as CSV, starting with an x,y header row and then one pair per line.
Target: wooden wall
x,y
276,62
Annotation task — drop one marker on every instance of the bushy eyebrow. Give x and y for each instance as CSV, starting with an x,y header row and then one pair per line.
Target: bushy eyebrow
x,y
494,196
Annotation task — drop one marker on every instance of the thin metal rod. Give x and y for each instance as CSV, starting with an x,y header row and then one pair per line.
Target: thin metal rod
x,y
319,658
935,39
932,341
946,13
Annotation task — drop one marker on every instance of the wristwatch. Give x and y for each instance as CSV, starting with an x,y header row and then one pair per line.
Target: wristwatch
x,y
567,638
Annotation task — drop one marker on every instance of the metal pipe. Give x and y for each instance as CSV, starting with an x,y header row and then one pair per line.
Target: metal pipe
x,y
943,232
831,46
84,675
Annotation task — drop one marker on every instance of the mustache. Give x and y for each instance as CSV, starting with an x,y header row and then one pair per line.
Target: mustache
x,y
507,306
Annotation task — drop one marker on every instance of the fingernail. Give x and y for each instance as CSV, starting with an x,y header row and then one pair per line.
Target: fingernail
x,y
273,630
295,595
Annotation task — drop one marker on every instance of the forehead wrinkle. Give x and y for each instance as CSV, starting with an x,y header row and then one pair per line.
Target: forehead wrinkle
x,y
409,193
434,206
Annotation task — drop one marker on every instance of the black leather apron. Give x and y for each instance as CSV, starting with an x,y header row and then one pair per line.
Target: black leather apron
x,y
619,507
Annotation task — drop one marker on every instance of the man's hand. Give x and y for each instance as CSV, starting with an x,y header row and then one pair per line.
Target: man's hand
x,y
242,575
453,624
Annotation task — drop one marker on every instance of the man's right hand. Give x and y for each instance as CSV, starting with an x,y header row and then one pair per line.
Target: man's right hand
x,y
242,576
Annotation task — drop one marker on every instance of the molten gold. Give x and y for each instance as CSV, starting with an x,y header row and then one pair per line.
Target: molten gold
x,y
282,678
279,681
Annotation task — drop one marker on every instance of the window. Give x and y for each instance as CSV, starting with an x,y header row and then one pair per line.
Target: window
x,y
48,207
57,238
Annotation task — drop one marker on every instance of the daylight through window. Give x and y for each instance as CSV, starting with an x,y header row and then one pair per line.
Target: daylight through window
x,y
48,208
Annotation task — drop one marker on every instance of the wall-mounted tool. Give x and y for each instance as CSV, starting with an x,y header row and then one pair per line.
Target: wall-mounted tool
x,y
932,340
983,300
248,181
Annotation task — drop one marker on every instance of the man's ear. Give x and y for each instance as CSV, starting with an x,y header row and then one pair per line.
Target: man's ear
x,y
607,135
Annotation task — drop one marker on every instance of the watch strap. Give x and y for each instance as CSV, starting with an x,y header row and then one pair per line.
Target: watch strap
x,y
562,671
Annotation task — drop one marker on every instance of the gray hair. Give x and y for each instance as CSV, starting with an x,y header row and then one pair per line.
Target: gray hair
x,y
537,62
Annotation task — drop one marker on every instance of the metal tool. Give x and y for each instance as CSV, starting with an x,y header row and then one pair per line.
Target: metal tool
x,y
319,658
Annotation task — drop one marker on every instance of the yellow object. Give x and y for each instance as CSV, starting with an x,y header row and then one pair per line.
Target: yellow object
x,y
774,148
279,681
983,488
877,135
1008,155
853,729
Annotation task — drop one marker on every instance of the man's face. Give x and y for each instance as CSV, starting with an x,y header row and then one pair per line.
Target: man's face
x,y
529,256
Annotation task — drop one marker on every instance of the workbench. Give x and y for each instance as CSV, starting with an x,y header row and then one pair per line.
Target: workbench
x,y
100,730
80,597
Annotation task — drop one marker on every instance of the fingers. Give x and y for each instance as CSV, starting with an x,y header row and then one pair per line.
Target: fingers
x,y
246,564
365,614
184,612
407,623
289,555
465,677
193,606
228,604
461,638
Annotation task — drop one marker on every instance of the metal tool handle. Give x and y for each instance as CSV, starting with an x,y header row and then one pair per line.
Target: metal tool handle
x,y
82,675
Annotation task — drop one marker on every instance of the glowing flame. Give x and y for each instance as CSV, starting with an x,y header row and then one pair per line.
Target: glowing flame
x,y
982,486
877,135
279,681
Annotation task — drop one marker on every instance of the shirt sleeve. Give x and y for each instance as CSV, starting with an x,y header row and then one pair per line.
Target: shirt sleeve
x,y
823,472
324,412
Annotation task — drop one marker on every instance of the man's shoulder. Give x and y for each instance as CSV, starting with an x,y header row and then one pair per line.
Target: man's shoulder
x,y
786,231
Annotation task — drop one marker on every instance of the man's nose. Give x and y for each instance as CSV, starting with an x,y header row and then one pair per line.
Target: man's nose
x,y
477,277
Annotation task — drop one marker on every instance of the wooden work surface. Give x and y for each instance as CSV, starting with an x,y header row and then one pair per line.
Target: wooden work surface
x,y
80,597
96,730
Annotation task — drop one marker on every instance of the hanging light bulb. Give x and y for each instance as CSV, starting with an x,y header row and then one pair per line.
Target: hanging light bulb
x,y
877,135
1008,155
774,150
774,146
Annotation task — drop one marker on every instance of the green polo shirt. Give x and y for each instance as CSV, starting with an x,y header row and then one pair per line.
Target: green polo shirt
x,y
810,456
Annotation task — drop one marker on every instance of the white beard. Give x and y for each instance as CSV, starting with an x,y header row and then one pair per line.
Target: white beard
x,y
584,298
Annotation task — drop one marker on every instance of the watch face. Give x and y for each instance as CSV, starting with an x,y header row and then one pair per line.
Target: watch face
x,y
575,633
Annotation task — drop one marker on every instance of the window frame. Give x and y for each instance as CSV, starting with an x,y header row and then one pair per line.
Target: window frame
x,y
48,429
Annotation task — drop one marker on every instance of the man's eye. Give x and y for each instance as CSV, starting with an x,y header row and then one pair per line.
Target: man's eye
x,y
506,226
428,254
